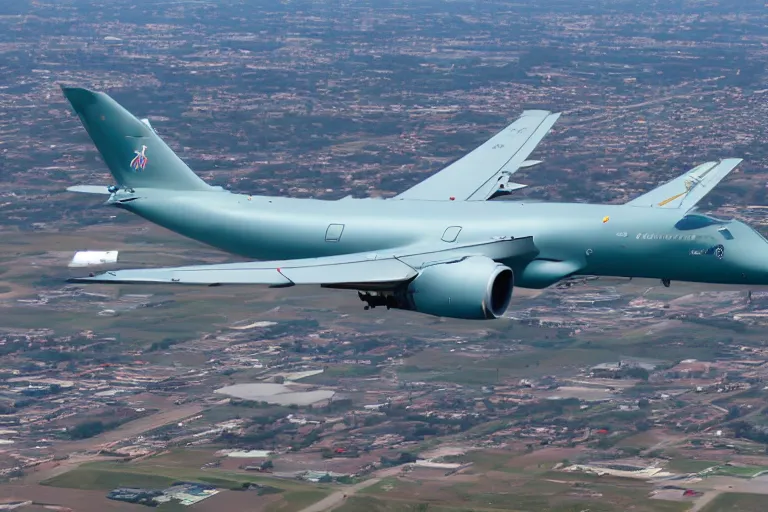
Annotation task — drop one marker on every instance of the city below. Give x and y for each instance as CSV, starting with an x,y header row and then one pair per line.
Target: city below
x,y
595,394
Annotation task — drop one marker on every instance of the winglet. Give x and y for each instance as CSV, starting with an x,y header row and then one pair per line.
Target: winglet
x,y
685,191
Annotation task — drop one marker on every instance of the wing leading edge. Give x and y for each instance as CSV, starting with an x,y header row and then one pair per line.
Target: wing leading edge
x,y
373,270
480,174
685,191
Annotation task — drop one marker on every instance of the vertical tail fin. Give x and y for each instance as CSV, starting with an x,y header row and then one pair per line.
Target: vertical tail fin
x,y
135,155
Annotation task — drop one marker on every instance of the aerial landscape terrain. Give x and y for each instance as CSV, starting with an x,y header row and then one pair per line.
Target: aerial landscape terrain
x,y
602,394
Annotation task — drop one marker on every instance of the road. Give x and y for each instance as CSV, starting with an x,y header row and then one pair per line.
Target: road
x,y
337,498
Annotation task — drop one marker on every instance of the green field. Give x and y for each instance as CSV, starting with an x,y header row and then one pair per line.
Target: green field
x,y
544,493
169,467
163,471
296,500
369,504
690,465
740,471
332,374
438,365
95,479
737,502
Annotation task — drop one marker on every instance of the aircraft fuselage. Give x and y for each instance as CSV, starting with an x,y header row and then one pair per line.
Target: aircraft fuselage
x,y
572,239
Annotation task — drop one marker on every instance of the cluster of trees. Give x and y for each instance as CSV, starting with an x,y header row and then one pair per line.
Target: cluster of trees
x,y
163,345
749,431
403,458
350,453
90,429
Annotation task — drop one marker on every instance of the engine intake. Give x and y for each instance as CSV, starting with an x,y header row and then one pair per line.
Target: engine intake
x,y
475,288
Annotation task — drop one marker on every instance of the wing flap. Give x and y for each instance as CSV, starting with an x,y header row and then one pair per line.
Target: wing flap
x,y
382,268
273,273
685,191
475,176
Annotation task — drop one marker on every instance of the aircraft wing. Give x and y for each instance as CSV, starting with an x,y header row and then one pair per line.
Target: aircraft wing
x,y
372,270
482,173
685,191
90,189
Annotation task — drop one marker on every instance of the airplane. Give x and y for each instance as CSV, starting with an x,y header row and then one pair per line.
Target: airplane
x,y
441,247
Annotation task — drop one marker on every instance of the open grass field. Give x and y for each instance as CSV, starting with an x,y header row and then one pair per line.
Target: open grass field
x,y
508,480
88,476
159,472
371,504
498,480
442,365
737,502
69,499
681,465
95,479
505,491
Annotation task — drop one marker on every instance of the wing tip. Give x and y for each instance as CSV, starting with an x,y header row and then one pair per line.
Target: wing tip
x,y
539,113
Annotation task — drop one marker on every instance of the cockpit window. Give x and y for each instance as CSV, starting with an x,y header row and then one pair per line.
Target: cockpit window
x,y
697,221
757,232
726,234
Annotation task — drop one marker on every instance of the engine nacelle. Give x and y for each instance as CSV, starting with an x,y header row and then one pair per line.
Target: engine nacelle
x,y
475,288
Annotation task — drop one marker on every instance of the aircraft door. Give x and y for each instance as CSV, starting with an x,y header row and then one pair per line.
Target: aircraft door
x,y
333,233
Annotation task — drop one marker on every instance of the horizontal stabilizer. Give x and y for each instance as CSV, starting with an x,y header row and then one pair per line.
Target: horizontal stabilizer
x,y
90,189
685,191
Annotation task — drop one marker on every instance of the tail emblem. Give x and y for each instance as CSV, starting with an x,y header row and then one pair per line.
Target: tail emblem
x,y
139,162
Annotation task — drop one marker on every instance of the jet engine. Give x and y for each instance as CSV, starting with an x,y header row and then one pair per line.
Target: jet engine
x,y
474,288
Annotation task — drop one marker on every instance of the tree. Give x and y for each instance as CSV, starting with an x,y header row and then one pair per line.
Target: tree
x,y
87,429
638,373
643,425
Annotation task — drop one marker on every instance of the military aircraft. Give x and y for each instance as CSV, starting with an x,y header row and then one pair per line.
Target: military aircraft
x,y
439,248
